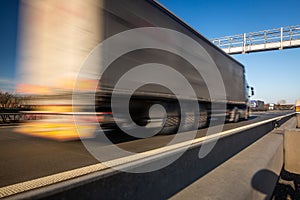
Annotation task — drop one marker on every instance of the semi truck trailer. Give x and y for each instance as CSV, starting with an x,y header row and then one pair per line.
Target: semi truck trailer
x,y
52,56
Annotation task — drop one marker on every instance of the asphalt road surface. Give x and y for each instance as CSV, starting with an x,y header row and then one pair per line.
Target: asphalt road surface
x,y
24,158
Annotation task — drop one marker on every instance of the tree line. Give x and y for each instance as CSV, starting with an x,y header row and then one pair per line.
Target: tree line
x,y
11,105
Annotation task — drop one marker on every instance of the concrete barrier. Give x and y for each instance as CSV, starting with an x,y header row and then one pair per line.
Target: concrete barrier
x,y
292,150
251,174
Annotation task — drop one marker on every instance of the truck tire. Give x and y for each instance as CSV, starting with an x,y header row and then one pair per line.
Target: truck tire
x,y
203,118
236,117
172,120
246,115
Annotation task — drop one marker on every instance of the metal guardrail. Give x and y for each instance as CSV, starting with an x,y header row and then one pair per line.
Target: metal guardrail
x,y
284,36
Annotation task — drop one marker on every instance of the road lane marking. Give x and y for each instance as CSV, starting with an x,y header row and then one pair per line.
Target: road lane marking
x,y
67,175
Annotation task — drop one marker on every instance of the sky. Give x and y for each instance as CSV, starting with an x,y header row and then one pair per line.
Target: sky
x,y
8,42
273,74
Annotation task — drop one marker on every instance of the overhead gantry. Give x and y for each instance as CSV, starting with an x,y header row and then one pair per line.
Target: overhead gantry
x,y
273,39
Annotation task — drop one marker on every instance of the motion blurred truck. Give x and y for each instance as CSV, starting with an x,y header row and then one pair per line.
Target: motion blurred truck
x,y
57,37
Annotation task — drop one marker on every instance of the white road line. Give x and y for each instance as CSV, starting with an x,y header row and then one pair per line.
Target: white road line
x,y
63,176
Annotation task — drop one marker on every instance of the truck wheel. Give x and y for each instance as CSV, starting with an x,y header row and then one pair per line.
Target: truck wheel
x,y
203,118
236,117
172,120
170,126
246,115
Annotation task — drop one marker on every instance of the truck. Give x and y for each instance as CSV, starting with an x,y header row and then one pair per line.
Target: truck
x,y
257,105
51,58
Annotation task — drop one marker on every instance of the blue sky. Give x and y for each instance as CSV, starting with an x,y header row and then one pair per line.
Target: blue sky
x,y
274,74
8,42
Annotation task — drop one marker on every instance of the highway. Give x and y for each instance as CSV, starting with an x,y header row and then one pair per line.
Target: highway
x,y
25,158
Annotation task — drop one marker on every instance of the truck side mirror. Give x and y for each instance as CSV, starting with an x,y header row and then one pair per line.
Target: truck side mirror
x,y
252,91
